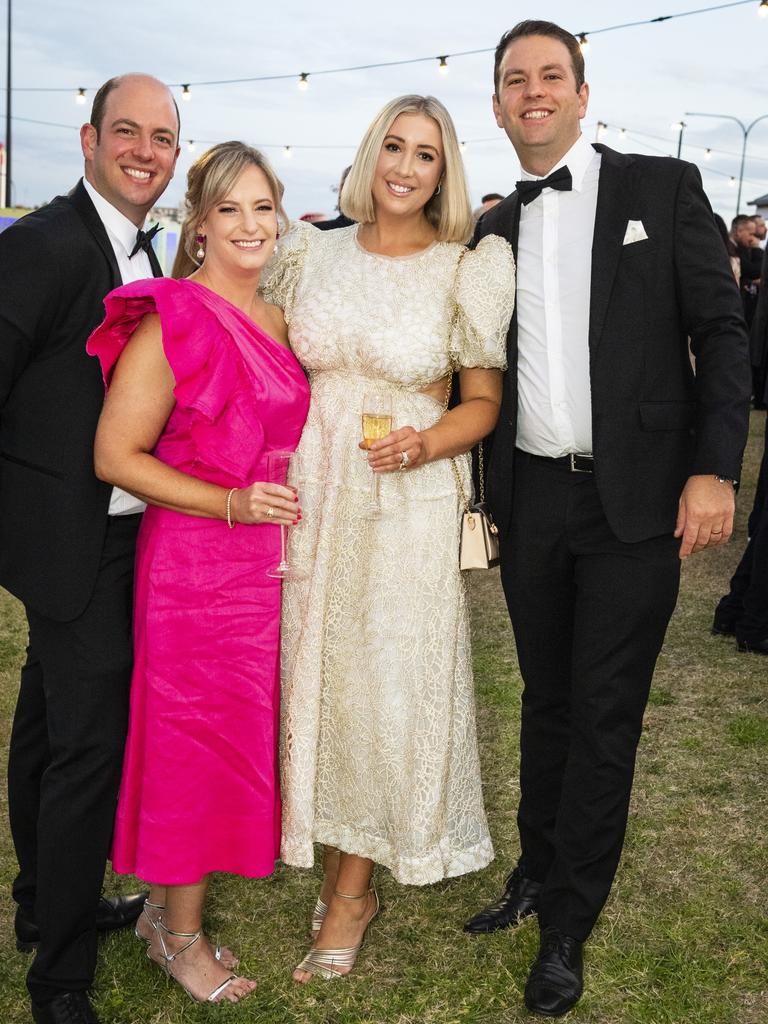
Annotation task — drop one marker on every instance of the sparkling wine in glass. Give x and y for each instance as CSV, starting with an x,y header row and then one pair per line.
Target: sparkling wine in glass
x,y
377,423
283,469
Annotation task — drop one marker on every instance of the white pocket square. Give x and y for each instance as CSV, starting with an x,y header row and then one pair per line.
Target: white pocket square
x,y
635,232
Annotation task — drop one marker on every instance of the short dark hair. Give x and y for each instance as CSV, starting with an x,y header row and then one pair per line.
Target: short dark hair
x,y
739,220
540,28
99,105
491,195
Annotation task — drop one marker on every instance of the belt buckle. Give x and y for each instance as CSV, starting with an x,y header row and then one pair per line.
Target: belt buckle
x,y
576,469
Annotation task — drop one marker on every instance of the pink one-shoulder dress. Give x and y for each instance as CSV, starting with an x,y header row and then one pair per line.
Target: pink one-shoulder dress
x,y
199,790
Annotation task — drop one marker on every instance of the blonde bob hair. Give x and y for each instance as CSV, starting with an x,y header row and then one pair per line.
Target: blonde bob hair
x,y
449,212
209,179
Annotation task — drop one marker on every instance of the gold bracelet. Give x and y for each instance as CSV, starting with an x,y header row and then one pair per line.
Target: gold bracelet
x,y
230,521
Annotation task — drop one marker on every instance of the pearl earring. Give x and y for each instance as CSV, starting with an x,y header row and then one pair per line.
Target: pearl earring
x,y
200,242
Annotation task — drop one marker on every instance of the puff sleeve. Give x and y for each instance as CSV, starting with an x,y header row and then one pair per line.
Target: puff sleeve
x,y
283,272
484,298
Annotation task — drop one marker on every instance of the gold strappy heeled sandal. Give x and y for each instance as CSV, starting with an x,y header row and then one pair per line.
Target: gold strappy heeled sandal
x,y
326,962
318,916
168,958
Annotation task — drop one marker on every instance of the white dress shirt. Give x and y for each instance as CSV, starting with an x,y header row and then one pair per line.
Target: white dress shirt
x,y
121,233
554,272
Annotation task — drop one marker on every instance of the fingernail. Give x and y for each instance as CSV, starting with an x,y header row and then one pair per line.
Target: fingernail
x,y
295,497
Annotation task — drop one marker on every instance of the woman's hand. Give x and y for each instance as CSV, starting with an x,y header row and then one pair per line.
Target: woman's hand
x,y
265,503
385,456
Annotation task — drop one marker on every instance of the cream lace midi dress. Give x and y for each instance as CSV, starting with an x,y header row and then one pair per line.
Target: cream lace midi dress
x,y
379,751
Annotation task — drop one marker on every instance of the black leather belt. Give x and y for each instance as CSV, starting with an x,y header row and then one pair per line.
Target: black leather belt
x,y
575,462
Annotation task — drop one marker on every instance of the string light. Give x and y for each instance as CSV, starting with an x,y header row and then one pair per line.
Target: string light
x,y
583,42
677,126
185,92
287,152
602,127
622,132
732,182
462,147
707,154
80,98
191,145
443,65
762,10
304,80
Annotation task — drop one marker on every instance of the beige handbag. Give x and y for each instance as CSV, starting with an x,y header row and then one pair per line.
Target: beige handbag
x,y
479,539
479,542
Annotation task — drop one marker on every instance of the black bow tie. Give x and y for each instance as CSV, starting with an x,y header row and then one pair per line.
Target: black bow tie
x,y
530,189
144,240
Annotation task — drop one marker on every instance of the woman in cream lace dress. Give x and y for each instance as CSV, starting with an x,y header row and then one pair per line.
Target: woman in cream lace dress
x,y
379,755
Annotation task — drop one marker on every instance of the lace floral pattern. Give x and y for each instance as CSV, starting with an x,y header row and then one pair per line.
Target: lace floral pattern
x,y
379,753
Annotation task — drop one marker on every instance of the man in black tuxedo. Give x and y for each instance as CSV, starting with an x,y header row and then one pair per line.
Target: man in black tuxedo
x,y
610,462
67,539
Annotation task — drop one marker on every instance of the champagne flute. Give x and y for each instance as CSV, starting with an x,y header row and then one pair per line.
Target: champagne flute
x,y
377,423
283,469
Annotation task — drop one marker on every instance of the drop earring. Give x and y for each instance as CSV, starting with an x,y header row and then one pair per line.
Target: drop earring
x,y
200,243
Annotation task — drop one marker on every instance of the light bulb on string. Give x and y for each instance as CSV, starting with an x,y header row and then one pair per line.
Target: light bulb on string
x,y
707,154
732,182
80,98
304,81
185,93
677,126
443,65
622,133
602,127
191,145
583,42
462,147
762,10
287,152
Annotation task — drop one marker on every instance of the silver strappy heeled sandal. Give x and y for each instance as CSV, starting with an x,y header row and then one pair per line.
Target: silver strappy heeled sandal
x,y
337,963
168,958
217,952
152,924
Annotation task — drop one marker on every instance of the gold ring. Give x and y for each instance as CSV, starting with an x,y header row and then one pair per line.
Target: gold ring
x,y
270,512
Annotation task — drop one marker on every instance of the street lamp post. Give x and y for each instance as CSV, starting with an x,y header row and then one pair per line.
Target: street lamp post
x,y
745,130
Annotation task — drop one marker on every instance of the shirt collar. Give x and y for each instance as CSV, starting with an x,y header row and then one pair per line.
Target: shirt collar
x,y
577,159
116,223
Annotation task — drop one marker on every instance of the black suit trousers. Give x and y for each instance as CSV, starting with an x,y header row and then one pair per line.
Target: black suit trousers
x,y
589,615
745,607
65,761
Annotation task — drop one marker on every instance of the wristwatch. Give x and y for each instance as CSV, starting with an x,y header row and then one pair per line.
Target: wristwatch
x,y
725,480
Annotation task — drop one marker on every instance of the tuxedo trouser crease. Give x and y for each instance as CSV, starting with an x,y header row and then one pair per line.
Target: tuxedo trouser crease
x,y
589,614
65,759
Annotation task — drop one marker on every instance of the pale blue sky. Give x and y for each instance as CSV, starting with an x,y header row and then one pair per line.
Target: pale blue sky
x,y
641,78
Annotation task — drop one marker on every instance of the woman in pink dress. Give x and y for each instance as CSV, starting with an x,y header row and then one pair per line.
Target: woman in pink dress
x,y
202,386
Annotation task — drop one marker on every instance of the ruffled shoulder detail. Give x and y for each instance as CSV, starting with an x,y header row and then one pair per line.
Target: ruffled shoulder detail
x,y
484,297
205,370
281,275
211,382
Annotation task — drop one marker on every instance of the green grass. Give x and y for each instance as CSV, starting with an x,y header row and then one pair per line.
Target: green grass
x,y
683,939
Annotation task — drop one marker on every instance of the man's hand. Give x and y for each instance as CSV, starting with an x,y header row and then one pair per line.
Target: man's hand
x,y
705,514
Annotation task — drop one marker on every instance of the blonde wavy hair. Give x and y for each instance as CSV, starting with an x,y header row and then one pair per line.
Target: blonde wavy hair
x,y
209,179
449,212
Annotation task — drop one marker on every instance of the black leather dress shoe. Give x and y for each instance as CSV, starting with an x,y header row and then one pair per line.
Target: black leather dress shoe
x,y
66,1008
753,646
722,627
115,912
519,900
556,980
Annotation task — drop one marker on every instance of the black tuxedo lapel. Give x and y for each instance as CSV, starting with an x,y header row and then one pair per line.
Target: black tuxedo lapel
x,y
81,201
613,202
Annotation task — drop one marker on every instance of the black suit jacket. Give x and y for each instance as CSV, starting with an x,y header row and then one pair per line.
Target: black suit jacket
x,y
758,341
56,266
654,421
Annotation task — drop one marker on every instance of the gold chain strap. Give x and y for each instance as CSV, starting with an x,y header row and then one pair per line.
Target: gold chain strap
x,y
481,466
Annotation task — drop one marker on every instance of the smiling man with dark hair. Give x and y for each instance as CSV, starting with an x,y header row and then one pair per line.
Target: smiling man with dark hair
x,y
611,461
67,539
